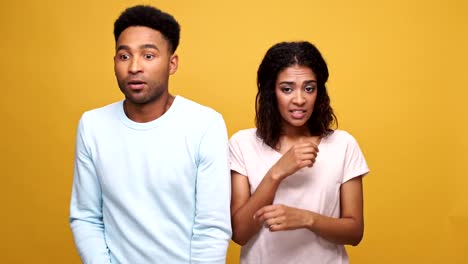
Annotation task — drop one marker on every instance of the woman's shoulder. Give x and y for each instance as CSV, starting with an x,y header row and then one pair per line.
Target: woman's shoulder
x,y
339,135
246,138
245,134
247,142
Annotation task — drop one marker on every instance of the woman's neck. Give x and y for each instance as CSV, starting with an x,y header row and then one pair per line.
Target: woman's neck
x,y
293,135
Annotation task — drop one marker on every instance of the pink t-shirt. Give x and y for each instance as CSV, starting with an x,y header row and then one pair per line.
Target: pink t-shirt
x,y
315,189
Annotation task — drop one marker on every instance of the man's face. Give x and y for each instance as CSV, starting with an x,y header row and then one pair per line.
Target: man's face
x,y
142,64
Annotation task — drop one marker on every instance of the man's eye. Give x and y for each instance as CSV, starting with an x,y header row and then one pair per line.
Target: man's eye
x,y
124,57
149,56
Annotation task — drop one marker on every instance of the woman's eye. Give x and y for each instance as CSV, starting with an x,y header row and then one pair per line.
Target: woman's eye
x,y
286,89
309,89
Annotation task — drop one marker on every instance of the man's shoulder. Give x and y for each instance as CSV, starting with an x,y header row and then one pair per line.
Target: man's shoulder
x,y
195,110
103,112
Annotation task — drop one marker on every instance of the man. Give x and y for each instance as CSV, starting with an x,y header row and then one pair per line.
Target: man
x,y
151,180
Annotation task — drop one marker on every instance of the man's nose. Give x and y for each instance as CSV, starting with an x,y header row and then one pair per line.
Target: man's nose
x,y
135,66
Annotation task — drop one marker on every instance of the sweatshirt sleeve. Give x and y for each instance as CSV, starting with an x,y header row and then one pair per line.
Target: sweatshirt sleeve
x,y
86,219
212,226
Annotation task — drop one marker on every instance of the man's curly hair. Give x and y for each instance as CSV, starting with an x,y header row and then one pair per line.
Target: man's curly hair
x,y
151,17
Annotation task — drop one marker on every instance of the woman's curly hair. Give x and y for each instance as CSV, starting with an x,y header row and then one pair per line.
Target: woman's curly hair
x,y
279,57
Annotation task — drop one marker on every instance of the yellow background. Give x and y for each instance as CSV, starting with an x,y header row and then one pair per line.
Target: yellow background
x,y
398,84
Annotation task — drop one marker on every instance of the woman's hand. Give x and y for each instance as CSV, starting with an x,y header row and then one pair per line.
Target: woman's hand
x,y
281,217
297,157
348,229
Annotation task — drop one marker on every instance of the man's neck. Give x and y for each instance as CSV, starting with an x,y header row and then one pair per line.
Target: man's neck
x,y
148,112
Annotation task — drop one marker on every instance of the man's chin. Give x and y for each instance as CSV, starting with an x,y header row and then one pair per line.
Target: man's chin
x,y
136,100
141,97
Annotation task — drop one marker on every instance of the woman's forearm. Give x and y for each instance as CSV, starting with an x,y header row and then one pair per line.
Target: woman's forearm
x,y
243,222
346,230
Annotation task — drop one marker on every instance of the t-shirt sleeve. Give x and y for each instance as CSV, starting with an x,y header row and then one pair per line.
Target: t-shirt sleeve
x,y
236,159
355,164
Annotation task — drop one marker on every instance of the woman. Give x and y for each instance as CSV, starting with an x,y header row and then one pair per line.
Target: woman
x,y
296,183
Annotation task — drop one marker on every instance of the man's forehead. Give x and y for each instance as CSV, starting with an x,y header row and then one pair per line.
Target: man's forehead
x,y
141,35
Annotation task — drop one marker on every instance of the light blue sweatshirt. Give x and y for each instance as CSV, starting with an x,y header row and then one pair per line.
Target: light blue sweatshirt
x,y
156,192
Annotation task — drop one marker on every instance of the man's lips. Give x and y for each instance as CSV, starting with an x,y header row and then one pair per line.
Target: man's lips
x,y
136,84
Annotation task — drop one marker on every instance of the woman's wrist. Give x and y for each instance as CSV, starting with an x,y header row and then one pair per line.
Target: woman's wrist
x,y
310,220
275,175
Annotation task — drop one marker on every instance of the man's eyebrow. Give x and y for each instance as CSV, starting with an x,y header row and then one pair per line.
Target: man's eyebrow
x,y
149,46
123,47
144,46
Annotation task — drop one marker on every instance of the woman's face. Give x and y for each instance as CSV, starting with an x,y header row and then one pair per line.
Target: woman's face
x,y
296,92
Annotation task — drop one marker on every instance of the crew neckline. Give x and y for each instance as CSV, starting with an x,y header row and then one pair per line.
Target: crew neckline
x,y
151,124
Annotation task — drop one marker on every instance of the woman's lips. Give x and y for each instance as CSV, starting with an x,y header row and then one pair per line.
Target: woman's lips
x,y
298,114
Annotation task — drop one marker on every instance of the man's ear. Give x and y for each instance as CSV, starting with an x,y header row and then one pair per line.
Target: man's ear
x,y
173,63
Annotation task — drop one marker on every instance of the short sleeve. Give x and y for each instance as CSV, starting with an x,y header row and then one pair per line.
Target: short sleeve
x,y
355,164
236,158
